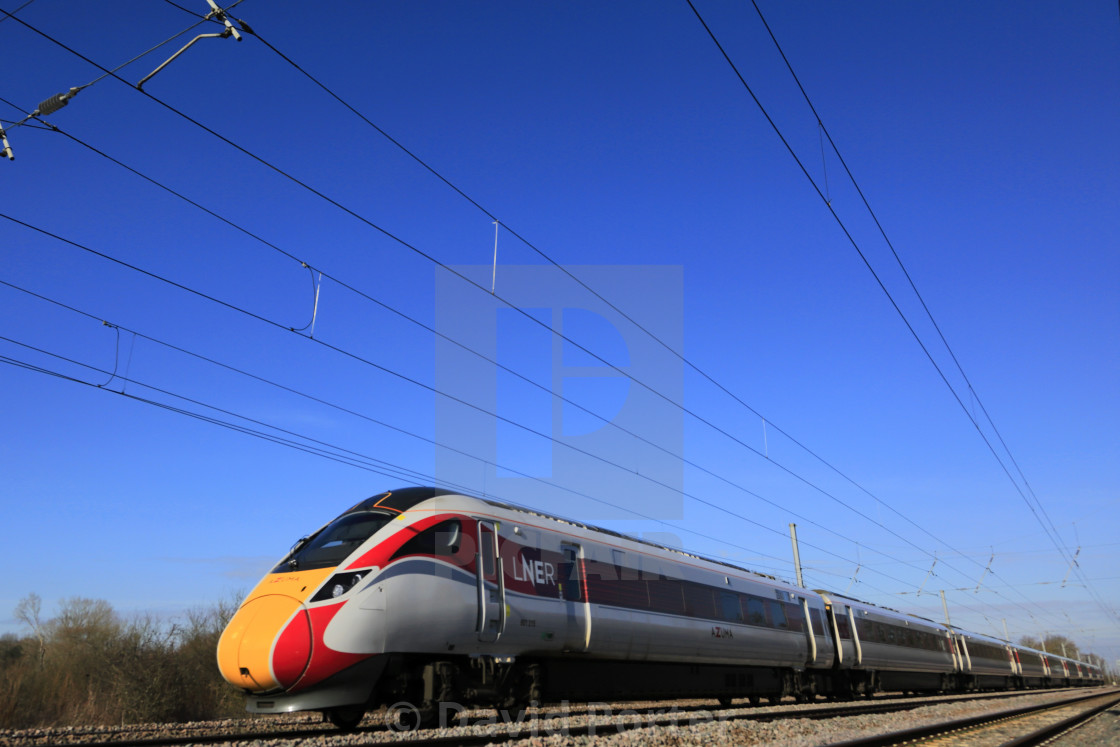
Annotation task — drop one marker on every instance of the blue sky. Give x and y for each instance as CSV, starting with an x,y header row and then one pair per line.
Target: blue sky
x,y
617,140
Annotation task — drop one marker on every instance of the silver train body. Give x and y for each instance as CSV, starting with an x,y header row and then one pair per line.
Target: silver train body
x,y
427,597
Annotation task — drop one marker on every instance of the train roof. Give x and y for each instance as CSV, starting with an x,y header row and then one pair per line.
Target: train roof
x,y
402,499
398,500
630,538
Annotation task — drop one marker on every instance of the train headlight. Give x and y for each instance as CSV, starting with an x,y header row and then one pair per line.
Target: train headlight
x,y
338,585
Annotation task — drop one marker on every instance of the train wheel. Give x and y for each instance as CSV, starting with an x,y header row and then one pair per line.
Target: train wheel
x,y
754,700
724,702
346,718
773,699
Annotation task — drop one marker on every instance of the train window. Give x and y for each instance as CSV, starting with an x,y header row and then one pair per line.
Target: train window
x,y
699,600
842,627
442,540
334,543
756,611
665,595
570,580
729,607
487,548
818,623
795,617
777,615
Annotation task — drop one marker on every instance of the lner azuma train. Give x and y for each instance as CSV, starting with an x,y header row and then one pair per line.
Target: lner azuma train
x,y
426,596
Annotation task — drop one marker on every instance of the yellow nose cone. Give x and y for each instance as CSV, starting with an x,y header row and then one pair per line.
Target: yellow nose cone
x,y
245,650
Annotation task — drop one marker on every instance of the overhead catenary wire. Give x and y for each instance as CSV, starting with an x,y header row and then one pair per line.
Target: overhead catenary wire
x,y
1062,551
431,330
360,359
584,285
482,288
354,413
54,103
313,446
909,278
448,339
291,439
527,315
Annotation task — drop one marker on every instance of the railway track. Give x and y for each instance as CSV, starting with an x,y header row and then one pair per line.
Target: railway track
x,y
484,727
1021,727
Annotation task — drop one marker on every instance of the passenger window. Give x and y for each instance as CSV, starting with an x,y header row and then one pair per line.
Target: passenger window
x,y
441,540
756,611
570,580
795,616
778,615
488,549
818,624
729,607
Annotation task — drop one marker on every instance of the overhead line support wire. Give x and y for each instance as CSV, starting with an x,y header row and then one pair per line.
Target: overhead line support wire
x,y
417,251
399,473
1053,533
871,269
283,441
902,266
452,341
582,284
217,14
368,418
435,261
526,242
60,100
408,379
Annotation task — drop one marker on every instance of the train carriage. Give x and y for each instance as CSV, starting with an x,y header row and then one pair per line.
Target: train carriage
x,y
884,649
985,663
1033,667
428,597
425,595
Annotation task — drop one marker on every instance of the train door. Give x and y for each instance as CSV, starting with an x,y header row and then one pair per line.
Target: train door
x,y
491,584
966,658
810,632
856,644
573,590
834,630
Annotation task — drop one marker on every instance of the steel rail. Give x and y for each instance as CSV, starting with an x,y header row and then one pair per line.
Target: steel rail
x,y
945,728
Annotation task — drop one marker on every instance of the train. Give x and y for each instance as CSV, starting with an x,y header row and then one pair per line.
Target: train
x,y
419,597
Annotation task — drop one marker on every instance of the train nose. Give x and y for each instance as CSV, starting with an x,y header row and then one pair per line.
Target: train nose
x,y
267,644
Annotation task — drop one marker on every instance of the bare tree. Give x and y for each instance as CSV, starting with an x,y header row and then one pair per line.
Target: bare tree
x,y
27,612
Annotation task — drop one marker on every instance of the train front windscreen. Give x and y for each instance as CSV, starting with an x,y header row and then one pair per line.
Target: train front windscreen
x,y
330,546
